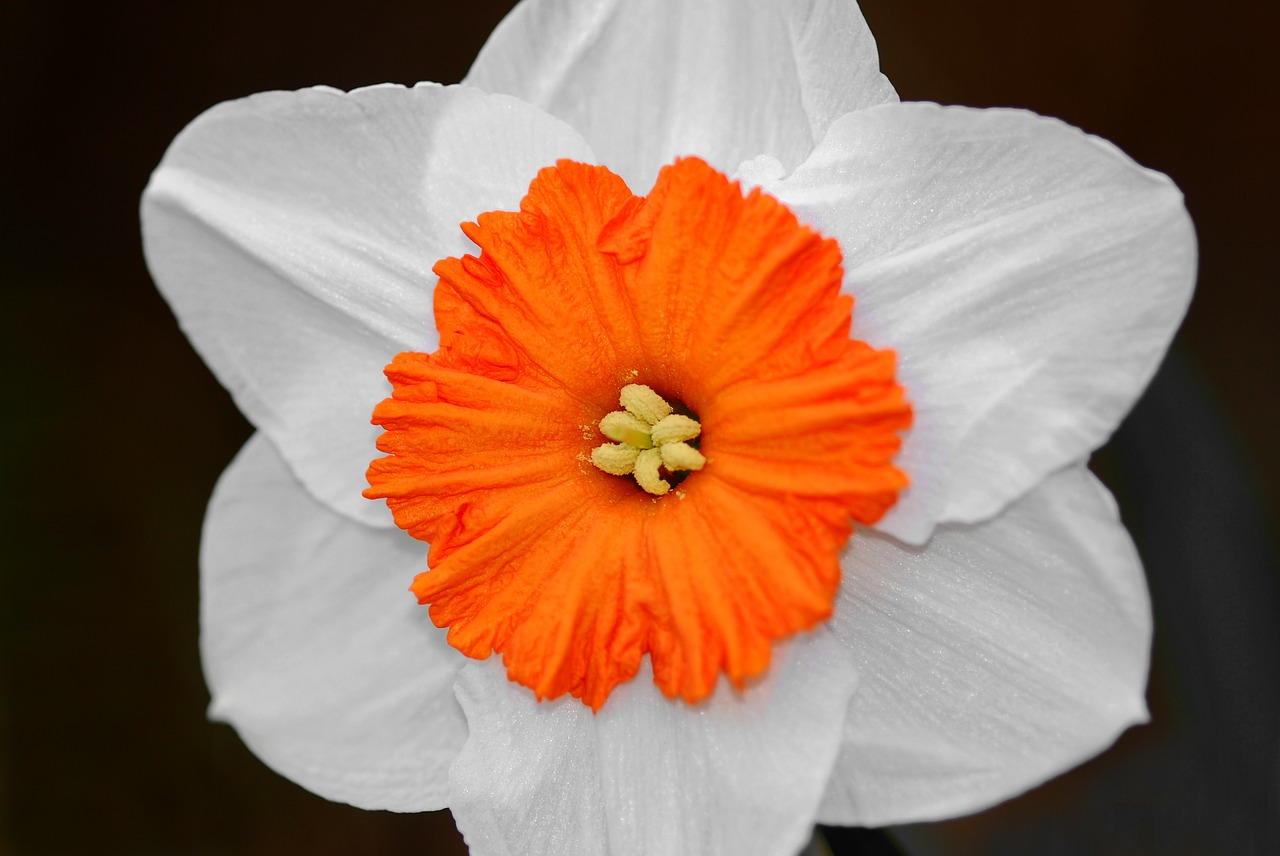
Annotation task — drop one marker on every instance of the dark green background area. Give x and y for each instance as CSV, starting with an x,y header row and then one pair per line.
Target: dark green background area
x,y
113,432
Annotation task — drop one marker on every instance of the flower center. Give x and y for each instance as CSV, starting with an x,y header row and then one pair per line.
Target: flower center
x,y
720,299
650,437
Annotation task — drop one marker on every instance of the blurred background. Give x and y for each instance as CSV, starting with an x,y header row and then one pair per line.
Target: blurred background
x,y
113,432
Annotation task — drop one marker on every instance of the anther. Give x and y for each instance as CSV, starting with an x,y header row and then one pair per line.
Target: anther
x,y
626,428
675,428
647,464
643,402
681,456
617,459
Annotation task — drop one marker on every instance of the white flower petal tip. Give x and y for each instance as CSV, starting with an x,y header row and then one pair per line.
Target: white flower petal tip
x,y
648,80
313,649
995,658
760,170
739,774
293,234
1029,276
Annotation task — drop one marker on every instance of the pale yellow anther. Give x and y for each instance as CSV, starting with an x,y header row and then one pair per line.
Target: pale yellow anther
x,y
681,456
647,464
649,437
643,402
626,428
675,428
617,459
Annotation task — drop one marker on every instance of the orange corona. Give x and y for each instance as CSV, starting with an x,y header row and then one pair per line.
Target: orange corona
x,y
646,431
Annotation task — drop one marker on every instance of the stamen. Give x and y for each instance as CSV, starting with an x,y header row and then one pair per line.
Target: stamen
x,y
643,402
626,428
617,459
647,464
649,436
675,428
681,456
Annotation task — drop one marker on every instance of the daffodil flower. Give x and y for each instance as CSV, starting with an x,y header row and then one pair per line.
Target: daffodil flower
x,y
670,296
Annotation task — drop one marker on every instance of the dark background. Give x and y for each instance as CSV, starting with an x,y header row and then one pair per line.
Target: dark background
x,y
113,431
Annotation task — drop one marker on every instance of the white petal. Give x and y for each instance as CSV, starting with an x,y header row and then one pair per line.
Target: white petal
x,y
741,774
1029,277
315,650
293,233
994,658
647,80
